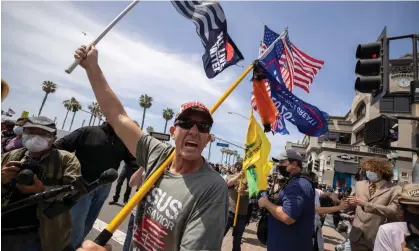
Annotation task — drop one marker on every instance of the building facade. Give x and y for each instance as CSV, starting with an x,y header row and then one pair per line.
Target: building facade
x,y
335,156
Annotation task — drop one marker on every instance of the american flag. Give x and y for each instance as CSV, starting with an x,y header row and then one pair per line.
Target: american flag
x,y
297,68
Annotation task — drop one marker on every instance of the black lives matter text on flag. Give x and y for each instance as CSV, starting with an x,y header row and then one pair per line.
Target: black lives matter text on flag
x,y
220,55
211,26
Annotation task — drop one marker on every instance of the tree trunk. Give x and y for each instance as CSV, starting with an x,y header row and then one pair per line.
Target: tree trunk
x,y
91,117
142,122
222,158
165,126
43,103
94,119
72,120
65,120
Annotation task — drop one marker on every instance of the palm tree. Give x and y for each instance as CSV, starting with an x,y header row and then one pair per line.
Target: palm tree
x,y
67,105
223,151
97,114
150,129
167,115
145,102
93,108
48,87
75,107
235,154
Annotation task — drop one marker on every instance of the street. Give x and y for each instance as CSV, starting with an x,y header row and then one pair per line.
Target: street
x,y
250,241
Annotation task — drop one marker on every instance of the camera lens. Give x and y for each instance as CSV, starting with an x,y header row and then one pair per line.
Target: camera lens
x,y
25,177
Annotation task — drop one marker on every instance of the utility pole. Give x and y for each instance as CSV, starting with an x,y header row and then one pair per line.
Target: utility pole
x,y
373,71
415,109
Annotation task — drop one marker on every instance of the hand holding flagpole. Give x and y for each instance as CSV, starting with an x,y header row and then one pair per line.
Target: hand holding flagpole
x,y
104,32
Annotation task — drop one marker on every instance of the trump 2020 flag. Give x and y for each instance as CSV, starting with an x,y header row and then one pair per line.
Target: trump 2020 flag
x,y
309,119
255,162
211,26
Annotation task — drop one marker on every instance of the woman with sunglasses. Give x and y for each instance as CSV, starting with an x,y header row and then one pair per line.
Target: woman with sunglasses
x,y
190,198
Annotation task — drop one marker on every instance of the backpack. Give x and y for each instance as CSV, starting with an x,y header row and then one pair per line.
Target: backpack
x,y
262,225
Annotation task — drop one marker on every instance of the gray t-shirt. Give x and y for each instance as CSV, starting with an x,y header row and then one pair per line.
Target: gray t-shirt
x,y
181,212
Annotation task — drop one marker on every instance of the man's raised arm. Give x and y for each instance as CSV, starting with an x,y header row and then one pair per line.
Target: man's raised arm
x,y
109,103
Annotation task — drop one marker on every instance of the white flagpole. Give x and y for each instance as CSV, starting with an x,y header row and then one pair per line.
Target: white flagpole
x,y
104,32
273,44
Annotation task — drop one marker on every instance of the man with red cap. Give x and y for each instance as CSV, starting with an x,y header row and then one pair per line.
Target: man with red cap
x,y
187,208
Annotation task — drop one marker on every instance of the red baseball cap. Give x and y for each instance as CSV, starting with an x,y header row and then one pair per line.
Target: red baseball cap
x,y
194,106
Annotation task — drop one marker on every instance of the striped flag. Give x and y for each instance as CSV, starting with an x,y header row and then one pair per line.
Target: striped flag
x,y
211,26
296,67
10,111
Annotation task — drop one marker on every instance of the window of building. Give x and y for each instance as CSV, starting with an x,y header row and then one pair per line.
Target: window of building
x,y
360,113
396,103
359,135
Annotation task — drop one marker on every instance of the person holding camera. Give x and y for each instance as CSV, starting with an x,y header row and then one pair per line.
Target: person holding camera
x,y
291,219
402,236
376,203
36,168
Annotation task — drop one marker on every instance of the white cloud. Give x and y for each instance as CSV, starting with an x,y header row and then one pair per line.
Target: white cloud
x,y
38,41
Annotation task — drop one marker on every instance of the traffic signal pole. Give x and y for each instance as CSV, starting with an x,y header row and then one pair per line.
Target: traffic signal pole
x,y
372,69
415,106
415,109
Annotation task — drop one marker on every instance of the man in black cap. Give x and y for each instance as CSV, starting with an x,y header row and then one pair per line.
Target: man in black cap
x,y
187,209
46,167
291,219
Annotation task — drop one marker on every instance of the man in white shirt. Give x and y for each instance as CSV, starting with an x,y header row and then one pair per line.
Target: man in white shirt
x,y
391,236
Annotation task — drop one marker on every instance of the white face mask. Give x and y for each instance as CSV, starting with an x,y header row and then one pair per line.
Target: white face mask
x,y
35,143
18,130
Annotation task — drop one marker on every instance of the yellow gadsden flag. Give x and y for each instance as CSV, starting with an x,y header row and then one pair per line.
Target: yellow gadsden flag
x,y
255,162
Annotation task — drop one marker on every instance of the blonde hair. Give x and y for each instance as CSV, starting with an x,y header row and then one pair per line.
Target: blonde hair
x,y
378,165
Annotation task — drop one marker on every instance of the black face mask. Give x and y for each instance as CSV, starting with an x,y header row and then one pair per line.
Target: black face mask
x,y
411,218
283,171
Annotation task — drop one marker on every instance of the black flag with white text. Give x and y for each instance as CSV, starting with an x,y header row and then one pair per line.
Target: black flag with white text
x,y
211,26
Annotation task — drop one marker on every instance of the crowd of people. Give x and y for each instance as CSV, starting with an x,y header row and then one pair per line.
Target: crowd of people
x,y
192,206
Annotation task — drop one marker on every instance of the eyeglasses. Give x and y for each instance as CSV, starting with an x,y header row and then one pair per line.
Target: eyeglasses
x,y
188,124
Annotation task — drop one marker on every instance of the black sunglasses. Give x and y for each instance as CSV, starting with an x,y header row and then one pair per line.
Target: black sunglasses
x,y
188,124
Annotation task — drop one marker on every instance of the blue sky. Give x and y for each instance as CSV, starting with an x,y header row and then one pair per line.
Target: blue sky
x,y
155,50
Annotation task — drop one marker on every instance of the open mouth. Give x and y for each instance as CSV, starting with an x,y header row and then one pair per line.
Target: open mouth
x,y
191,144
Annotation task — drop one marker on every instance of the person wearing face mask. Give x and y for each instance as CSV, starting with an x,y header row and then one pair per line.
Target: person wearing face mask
x,y
28,228
16,142
392,236
376,203
291,219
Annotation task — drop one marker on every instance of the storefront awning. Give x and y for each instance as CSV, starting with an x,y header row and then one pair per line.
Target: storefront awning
x,y
346,167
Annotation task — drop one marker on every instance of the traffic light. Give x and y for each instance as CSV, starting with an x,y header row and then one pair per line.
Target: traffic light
x,y
372,67
381,131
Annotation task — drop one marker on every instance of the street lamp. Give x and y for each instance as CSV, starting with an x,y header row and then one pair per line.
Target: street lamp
x,y
239,115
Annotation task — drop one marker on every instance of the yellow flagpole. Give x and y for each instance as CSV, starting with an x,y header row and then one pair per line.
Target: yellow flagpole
x,y
238,202
106,234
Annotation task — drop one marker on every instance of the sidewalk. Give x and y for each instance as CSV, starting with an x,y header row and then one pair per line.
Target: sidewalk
x,y
251,243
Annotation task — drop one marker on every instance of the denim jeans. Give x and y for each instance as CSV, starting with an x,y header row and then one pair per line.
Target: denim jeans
x,y
125,175
238,230
27,242
128,238
85,212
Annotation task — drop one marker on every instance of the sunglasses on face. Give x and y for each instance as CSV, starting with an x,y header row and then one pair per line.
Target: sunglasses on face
x,y
188,124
